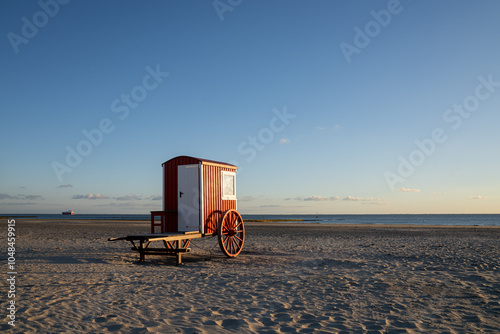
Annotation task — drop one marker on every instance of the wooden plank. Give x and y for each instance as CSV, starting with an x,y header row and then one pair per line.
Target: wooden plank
x,y
116,239
141,251
141,243
161,236
164,250
175,237
135,246
160,253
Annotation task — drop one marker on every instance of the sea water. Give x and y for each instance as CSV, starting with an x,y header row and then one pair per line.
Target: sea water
x,y
414,219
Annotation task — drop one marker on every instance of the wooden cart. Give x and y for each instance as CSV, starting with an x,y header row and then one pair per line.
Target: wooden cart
x,y
199,200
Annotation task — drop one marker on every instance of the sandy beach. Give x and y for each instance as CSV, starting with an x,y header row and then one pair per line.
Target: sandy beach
x,y
289,278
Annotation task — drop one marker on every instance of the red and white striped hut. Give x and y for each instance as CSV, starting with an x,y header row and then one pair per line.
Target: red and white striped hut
x,y
199,195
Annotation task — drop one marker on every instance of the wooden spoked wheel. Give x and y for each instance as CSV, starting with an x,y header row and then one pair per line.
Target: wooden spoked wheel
x,y
231,233
176,244
212,222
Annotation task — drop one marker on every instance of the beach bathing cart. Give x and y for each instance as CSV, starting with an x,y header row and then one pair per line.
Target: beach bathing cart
x,y
199,200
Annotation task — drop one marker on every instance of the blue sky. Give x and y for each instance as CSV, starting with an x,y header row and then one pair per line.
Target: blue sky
x,y
325,106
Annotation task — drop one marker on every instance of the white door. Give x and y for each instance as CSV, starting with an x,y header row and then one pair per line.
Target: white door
x,y
188,198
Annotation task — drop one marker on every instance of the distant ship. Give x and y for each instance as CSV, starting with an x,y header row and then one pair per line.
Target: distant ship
x,y
69,212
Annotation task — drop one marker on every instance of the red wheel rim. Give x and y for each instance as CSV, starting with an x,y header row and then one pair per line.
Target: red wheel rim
x,y
231,233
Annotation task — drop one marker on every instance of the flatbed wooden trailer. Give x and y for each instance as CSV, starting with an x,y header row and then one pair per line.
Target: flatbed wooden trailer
x,y
199,200
142,242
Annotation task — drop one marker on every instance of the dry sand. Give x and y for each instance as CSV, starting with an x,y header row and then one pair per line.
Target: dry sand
x,y
289,278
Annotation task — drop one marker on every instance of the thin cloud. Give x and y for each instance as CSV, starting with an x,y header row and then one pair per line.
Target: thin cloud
x,y
321,198
20,197
284,141
65,186
126,205
19,203
313,198
90,196
351,198
316,198
156,197
374,203
478,197
406,190
31,197
7,196
131,197
360,199
298,198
